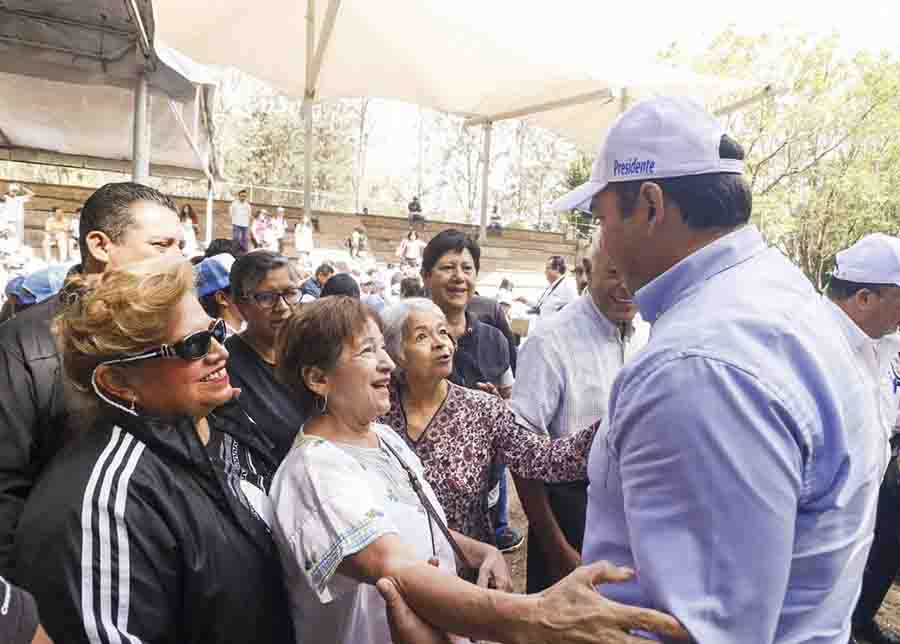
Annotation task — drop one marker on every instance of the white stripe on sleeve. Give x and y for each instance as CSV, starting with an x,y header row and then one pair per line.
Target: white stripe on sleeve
x,y
114,454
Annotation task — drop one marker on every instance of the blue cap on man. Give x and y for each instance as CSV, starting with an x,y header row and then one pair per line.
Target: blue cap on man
x,y
213,274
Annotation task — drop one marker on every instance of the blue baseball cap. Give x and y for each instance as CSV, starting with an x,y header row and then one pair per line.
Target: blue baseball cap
x,y
14,288
46,282
212,274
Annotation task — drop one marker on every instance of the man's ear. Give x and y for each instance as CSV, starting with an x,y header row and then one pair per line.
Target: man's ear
x,y
650,200
865,299
113,382
98,246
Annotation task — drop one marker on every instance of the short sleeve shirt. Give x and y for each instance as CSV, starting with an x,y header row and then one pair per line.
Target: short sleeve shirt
x,y
333,500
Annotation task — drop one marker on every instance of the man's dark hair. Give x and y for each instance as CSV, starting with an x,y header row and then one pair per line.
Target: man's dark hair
x,y
108,210
341,284
411,287
446,241
325,269
221,245
557,263
706,200
251,269
839,290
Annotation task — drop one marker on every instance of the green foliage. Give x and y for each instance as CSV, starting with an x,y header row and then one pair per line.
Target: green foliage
x,y
579,171
822,154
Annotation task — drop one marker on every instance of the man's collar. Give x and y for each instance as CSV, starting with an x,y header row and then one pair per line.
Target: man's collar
x,y
659,295
610,327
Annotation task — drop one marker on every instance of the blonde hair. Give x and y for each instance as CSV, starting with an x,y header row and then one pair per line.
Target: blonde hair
x,y
121,312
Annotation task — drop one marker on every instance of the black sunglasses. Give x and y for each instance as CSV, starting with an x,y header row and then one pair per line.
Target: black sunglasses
x,y
193,347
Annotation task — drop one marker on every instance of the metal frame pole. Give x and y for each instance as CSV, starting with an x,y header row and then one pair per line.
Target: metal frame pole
x,y
210,195
485,180
308,98
307,159
140,168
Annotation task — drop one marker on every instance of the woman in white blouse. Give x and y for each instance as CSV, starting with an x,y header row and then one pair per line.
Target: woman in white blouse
x,y
352,507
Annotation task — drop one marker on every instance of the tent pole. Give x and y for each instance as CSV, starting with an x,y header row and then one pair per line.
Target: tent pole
x,y
210,193
140,169
580,99
308,98
307,158
485,179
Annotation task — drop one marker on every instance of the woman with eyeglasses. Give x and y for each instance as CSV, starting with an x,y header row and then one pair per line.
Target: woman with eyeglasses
x,y
152,525
266,288
353,509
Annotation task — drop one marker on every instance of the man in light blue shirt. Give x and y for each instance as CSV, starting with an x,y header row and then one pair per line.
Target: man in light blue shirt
x,y
740,472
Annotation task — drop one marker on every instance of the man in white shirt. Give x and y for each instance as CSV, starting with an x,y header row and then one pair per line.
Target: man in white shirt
x,y
564,376
241,213
560,290
865,286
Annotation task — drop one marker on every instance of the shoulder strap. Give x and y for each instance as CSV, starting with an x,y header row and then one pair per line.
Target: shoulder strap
x,y
550,290
429,507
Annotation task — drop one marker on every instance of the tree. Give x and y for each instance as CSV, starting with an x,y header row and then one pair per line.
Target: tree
x,y
820,156
364,130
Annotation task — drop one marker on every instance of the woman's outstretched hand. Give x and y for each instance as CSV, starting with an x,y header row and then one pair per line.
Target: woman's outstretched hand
x,y
569,612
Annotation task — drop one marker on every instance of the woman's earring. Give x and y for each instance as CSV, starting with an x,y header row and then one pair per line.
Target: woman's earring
x,y
324,407
133,400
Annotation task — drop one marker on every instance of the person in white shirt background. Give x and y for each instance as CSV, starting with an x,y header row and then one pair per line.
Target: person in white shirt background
x,y
560,290
279,229
241,211
14,208
865,286
303,238
554,393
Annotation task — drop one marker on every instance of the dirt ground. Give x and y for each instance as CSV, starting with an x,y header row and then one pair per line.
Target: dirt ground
x,y
517,521
889,615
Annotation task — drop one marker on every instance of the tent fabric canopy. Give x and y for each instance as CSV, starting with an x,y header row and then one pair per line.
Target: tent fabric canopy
x,y
404,50
67,77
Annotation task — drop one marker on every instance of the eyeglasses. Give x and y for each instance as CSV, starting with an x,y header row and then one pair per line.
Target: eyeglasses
x,y
269,299
193,347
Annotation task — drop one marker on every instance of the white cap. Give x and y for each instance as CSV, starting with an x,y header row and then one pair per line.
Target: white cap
x,y
654,139
874,259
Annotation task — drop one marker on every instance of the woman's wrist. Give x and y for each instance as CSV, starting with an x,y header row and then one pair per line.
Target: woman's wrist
x,y
517,616
476,551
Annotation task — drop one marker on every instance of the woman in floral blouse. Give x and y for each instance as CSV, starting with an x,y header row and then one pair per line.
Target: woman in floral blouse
x,y
457,432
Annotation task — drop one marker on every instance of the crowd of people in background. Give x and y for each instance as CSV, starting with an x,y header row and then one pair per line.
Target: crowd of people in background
x,y
235,448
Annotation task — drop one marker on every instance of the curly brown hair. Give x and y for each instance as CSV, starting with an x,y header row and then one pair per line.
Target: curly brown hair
x,y
119,313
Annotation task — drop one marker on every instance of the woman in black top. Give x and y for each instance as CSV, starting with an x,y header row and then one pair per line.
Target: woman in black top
x,y
153,524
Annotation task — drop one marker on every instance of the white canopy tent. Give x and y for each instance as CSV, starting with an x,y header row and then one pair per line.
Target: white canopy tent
x,y
406,50
87,78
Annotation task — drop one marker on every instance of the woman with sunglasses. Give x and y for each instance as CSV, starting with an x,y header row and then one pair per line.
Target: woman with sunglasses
x,y
153,524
